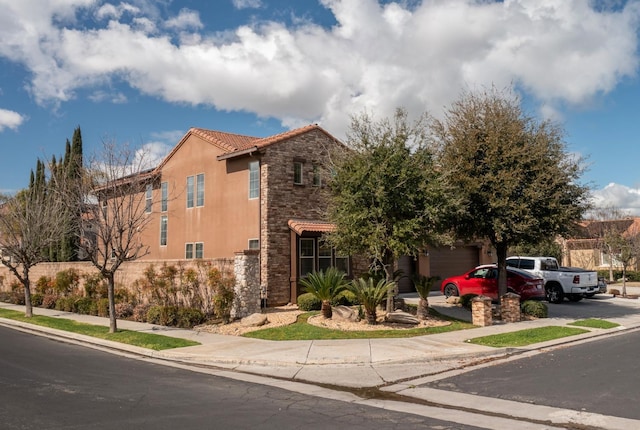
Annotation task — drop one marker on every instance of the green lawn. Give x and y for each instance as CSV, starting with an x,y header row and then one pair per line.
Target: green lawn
x,y
527,337
302,330
594,323
144,340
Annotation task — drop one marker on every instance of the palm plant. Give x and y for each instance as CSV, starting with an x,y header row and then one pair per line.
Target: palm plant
x,y
325,286
371,294
423,286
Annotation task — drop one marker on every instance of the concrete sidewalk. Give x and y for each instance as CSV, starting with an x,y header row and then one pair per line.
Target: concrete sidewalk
x,y
348,363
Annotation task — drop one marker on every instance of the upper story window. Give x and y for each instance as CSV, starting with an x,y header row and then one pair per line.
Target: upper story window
x,y
164,203
195,190
199,250
297,173
254,243
148,197
254,179
163,230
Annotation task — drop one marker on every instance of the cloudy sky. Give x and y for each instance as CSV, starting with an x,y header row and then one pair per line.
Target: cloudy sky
x,y
145,71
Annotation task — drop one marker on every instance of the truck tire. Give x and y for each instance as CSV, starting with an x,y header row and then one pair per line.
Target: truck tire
x,y
575,297
554,293
451,290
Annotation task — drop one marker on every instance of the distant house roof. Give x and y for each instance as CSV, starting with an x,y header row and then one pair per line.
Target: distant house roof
x,y
300,226
596,229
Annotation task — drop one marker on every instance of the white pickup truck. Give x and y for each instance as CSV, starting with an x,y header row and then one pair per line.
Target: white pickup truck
x,y
559,282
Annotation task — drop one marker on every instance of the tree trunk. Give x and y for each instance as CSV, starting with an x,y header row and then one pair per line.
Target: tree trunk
x,y
624,281
28,307
423,309
389,268
113,327
372,317
326,309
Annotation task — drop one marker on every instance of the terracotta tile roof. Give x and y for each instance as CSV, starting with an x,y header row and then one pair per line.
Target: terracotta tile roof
x,y
229,142
300,226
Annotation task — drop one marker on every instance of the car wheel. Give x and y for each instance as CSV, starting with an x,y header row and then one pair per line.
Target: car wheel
x,y
555,294
589,295
575,297
450,290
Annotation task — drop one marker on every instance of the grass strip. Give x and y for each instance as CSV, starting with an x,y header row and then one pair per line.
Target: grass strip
x,y
152,341
594,323
302,330
527,337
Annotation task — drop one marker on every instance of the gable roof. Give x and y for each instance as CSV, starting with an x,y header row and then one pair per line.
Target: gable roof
x,y
234,145
595,229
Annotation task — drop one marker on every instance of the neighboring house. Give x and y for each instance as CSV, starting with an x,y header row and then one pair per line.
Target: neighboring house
x,y
586,247
219,193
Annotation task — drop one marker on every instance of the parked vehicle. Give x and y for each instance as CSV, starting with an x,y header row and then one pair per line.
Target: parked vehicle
x,y
559,282
602,288
483,280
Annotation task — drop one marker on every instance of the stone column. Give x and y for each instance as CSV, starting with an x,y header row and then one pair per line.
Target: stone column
x,y
510,308
481,311
246,269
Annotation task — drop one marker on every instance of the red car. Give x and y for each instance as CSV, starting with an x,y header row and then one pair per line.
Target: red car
x,y
483,280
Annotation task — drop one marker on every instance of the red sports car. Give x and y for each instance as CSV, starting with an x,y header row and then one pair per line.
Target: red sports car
x,y
483,280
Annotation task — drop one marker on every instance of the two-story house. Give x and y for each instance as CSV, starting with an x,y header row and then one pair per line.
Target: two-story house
x,y
219,193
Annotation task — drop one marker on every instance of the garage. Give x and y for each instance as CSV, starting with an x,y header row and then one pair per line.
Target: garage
x,y
445,262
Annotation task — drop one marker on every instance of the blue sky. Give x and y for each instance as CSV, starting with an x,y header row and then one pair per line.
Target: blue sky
x,y
143,72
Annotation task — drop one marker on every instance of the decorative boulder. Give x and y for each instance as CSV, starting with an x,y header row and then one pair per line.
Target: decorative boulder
x,y
344,313
254,320
401,317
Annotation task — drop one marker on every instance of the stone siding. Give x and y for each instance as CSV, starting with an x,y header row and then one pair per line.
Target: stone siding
x,y
283,200
247,289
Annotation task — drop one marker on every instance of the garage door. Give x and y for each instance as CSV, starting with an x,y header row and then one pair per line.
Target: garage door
x,y
445,262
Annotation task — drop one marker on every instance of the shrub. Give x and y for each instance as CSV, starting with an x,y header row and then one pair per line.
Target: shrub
x,y
36,299
44,285
345,298
371,294
140,312
49,301
308,302
95,286
67,281
325,285
189,317
534,308
614,291
163,315
67,304
124,310
17,298
465,300
86,306
5,296
223,288
103,307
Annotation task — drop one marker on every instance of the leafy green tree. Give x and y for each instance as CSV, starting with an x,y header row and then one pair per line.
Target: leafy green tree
x,y
325,286
387,198
516,178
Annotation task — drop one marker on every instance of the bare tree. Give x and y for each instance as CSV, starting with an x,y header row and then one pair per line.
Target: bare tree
x,y
115,212
607,226
30,222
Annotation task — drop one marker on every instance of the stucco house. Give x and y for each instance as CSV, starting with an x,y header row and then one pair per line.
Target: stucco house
x,y
218,193
585,247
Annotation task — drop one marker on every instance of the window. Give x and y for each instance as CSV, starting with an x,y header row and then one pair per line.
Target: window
x,y
297,173
195,190
254,243
317,180
190,191
200,189
307,256
189,248
199,249
165,196
163,230
188,251
148,198
254,180
324,257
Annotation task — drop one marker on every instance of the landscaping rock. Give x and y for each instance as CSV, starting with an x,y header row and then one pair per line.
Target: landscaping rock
x,y
345,313
401,317
254,320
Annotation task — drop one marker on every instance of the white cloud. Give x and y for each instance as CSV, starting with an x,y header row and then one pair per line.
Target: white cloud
x,y
618,196
247,4
10,119
376,57
186,19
